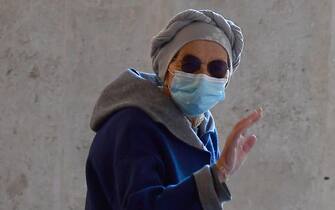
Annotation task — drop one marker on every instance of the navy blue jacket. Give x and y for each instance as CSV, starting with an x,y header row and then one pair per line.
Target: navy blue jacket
x,y
136,163
146,156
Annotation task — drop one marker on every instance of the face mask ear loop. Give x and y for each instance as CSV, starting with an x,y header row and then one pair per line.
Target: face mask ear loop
x,y
171,72
167,86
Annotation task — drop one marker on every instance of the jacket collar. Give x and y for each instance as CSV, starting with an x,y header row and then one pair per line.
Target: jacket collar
x,y
143,90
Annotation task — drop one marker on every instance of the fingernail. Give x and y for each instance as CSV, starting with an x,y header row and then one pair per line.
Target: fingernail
x,y
260,110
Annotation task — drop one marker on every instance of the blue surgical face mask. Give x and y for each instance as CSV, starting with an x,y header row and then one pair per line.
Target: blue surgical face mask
x,y
196,93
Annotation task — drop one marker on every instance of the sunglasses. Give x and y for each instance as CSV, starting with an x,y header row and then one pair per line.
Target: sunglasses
x,y
216,68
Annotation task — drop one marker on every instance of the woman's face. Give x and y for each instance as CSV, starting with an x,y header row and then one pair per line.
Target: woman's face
x,y
192,54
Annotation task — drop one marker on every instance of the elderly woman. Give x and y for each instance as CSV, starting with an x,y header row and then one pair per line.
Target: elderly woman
x,y
156,144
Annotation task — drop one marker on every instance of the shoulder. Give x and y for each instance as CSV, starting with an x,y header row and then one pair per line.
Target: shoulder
x,y
128,117
132,123
128,132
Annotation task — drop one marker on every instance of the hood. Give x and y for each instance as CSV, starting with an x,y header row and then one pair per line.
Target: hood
x,y
143,90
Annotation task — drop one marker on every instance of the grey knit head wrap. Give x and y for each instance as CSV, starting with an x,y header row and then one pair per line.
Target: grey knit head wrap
x,y
194,24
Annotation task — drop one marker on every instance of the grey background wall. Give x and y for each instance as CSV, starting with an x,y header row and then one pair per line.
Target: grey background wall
x,y
57,55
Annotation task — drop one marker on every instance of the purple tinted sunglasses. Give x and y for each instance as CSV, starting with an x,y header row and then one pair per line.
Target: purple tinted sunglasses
x,y
216,68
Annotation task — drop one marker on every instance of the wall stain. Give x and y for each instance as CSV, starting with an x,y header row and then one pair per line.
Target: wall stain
x,y
14,131
17,187
34,72
36,99
9,71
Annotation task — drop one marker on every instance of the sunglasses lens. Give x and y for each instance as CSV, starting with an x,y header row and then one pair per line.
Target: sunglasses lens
x,y
190,64
218,68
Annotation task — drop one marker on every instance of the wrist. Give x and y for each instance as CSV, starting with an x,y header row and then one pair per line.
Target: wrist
x,y
221,187
222,174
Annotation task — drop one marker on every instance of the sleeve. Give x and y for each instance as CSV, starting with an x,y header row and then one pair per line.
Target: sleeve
x,y
212,193
140,186
220,188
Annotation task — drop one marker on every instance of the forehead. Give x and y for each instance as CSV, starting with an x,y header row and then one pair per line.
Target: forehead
x,y
205,50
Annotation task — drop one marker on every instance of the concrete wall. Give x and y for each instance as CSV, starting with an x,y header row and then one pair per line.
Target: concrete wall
x,y
57,55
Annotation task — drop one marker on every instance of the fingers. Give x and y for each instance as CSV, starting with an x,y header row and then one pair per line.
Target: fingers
x,y
244,123
248,121
247,145
232,152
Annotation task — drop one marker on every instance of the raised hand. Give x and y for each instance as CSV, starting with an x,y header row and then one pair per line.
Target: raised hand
x,y
237,146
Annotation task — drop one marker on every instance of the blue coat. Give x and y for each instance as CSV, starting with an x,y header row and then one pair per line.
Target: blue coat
x,y
136,162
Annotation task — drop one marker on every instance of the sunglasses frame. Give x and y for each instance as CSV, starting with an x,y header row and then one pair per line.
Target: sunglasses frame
x,y
228,71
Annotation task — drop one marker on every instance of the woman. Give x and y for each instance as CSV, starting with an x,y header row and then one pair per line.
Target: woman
x,y
156,144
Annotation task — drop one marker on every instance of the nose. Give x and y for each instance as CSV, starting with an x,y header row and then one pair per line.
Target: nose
x,y
203,70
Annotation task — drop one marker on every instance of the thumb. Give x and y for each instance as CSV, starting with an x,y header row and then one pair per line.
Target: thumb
x,y
248,143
